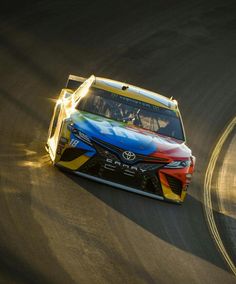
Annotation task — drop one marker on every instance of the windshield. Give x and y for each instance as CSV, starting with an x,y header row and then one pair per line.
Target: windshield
x,y
140,114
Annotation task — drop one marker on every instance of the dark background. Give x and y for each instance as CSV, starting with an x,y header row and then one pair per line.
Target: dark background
x,y
58,228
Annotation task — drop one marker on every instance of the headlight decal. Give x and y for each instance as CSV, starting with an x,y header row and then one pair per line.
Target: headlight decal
x,y
178,164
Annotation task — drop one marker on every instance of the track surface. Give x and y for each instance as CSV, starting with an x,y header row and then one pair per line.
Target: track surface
x,y
58,228
225,195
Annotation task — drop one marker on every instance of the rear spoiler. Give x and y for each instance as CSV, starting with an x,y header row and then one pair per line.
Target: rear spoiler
x,y
74,82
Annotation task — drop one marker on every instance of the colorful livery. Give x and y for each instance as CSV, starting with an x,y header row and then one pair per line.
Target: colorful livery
x,y
121,135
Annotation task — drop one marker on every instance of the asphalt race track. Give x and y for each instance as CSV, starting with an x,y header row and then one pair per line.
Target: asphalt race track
x,y
60,228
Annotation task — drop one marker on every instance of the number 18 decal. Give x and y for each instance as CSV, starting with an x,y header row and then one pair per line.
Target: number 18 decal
x,y
74,142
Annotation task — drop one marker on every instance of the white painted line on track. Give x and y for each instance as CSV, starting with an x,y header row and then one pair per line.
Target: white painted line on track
x,y
207,194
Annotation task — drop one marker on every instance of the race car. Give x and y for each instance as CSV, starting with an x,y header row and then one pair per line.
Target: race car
x,y
121,135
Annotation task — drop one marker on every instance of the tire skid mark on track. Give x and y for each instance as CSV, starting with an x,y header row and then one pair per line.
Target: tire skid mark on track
x,y
207,194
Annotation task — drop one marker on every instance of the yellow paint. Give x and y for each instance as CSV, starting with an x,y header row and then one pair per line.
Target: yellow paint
x,y
65,132
132,95
168,193
66,90
183,194
132,92
74,164
207,194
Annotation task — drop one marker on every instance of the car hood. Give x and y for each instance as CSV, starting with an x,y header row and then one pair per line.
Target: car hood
x,y
129,137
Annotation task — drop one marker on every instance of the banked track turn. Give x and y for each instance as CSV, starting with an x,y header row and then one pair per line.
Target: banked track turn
x,y
59,228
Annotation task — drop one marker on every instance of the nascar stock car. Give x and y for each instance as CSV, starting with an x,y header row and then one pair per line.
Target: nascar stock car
x,y
121,135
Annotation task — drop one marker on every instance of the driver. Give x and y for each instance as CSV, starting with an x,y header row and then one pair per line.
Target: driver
x,y
166,127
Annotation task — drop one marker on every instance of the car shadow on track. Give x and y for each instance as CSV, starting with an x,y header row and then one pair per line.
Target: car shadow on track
x,y
183,228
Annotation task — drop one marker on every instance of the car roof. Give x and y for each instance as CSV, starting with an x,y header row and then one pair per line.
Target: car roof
x,y
130,91
135,92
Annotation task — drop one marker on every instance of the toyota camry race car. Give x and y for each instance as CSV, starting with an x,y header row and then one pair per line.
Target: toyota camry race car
x,y
121,135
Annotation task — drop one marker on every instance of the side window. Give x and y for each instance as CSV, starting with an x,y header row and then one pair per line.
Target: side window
x,y
55,119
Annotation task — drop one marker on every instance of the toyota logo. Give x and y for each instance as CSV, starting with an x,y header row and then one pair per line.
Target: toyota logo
x,y
129,156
